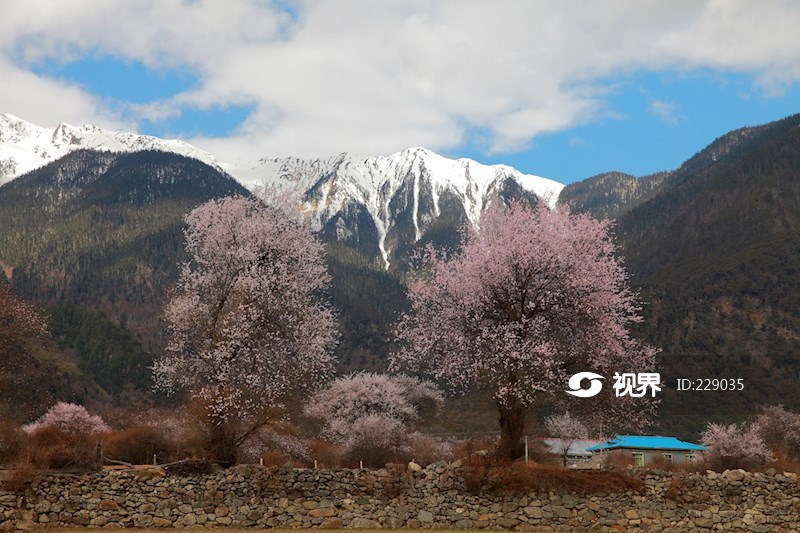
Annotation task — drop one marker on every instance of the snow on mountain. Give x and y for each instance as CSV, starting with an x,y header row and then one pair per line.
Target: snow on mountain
x,y
372,202
25,146
411,181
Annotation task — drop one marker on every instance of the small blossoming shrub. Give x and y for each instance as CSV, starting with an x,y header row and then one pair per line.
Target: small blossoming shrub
x,y
734,446
66,436
371,416
267,441
780,430
69,418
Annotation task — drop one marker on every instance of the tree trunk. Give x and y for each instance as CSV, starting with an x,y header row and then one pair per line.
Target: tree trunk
x,y
512,430
223,444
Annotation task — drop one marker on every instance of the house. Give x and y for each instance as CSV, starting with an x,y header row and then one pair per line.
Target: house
x,y
577,449
646,450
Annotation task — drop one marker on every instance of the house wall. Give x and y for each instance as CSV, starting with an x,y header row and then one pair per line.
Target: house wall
x,y
652,456
579,459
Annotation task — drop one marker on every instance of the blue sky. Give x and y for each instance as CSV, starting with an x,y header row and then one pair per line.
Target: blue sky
x,y
642,137
563,90
121,82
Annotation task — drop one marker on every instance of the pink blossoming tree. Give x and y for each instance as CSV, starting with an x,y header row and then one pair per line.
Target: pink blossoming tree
x,y
568,429
780,430
371,415
247,326
21,328
18,320
734,446
20,324
69,418
533,296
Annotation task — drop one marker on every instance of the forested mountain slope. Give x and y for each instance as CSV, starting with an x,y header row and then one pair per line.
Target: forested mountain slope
x,y
716,253
97,238
714,248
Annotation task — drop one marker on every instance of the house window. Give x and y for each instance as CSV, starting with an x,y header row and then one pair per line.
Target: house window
x,y
668,457
638,458
690,457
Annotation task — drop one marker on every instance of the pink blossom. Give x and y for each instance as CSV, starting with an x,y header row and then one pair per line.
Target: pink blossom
x,y
373,432
566,428
780,430
70,418
247,325
533,295
267,439
350,399
18,318
735,444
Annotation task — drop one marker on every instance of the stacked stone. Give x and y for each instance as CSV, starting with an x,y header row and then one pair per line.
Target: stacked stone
x,y
415,497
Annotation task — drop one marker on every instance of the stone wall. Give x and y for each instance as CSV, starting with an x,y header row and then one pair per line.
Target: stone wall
x,y
429,498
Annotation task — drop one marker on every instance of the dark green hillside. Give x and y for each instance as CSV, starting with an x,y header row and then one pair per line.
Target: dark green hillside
x,y
33,372
103,230
717,256
747,199
105,351
97,235
368,300
611,194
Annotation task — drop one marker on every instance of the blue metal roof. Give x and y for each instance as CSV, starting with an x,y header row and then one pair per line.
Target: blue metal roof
x,y
646,442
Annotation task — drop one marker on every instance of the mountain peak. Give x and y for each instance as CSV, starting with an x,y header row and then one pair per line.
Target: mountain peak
x,y
25,146
395,197
416,150
8,118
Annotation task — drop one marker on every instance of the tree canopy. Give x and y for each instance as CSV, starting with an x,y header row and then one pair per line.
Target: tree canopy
x,y
532,296
247,325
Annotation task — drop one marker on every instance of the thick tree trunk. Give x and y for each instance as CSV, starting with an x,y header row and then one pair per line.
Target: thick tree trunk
x,y
512,430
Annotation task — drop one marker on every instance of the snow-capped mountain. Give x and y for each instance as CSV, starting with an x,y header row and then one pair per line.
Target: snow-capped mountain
x,y
414,186
381,205
25,146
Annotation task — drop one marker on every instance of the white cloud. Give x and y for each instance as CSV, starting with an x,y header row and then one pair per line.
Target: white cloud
x,y
666,111
48,102
576,141
371,77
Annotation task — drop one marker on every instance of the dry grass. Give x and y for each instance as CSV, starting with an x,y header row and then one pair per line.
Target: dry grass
x,y
50,447
618,462
469,447
484,474
783,464
21,477
12,440
138,445
676,489
326,454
